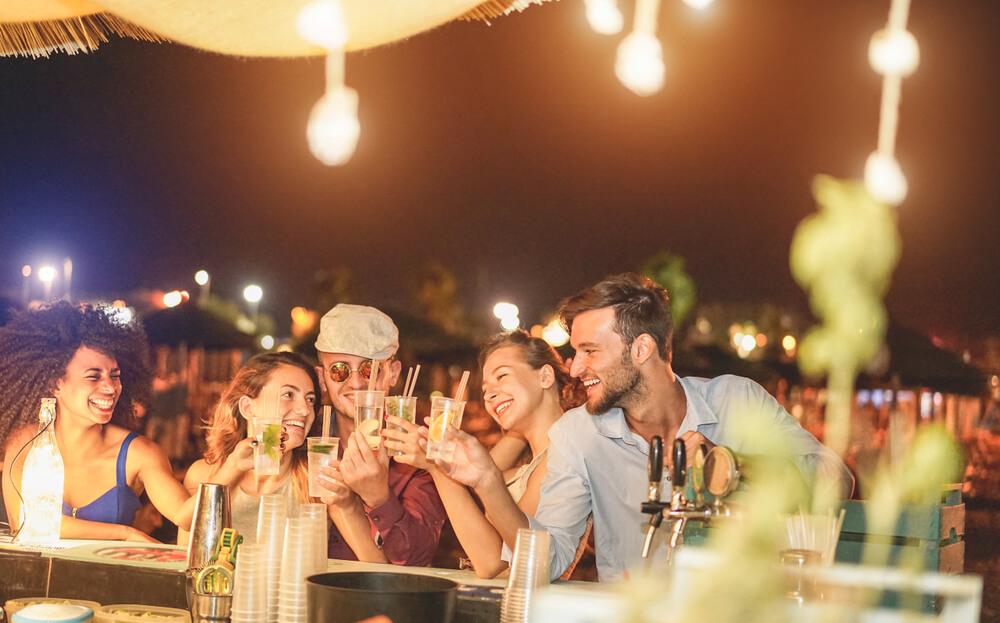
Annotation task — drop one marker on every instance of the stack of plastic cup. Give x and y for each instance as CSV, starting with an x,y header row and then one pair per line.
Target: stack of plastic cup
x,y
529,569
271,535
298,562
317,513
250,585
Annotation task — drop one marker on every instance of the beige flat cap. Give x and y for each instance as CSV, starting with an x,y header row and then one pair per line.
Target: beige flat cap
x,y
357,330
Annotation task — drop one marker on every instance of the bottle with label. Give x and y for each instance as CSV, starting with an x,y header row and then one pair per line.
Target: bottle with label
x,y
42,482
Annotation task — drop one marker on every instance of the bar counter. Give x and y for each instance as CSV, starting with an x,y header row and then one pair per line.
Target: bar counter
x,y
139,576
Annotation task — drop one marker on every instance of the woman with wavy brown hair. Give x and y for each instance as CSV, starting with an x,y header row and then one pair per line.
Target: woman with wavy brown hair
x,y
280,382
96,366
526,388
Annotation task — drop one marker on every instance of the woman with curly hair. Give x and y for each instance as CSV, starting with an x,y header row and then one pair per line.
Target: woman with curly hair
x,y
96,367
526,388
286,380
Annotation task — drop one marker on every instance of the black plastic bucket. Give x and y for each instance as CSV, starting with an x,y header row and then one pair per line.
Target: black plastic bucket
x,y
348,597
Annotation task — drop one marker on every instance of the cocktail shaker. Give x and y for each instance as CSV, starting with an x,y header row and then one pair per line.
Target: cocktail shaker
x,y
211,516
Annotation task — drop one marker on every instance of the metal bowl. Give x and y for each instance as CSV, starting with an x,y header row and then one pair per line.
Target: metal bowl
x,y
347,597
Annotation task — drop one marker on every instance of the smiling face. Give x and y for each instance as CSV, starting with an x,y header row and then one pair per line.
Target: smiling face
x,y
342,392
512,389
91,388
603,362
291,389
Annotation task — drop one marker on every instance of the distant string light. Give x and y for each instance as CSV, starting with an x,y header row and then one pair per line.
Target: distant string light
x,y
333,128
604,16
639,64
893,53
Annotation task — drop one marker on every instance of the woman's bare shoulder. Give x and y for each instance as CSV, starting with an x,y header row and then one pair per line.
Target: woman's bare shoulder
x,y
199,472
18,438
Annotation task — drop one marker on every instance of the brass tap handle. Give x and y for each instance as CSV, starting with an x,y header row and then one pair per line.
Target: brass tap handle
x,y
698,476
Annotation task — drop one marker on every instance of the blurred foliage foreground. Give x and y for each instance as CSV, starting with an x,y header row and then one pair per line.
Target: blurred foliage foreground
x,y
843,256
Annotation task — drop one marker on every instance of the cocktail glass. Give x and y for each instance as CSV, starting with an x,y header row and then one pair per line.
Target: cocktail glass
x,y
321,451
267,452
368,409
445,412
404,407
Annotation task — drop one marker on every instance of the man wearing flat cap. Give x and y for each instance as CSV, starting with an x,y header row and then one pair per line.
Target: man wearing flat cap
x,y
382,511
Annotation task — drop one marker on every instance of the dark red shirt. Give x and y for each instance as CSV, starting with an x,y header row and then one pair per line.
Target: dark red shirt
x,y
407,526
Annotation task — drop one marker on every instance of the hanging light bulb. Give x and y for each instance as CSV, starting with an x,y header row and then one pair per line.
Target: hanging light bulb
x,y
604,16
884,179
894,52
639,64
698,4
322,23
333,126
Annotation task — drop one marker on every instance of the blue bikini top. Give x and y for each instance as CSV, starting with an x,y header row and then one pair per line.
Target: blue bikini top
x,y
118,504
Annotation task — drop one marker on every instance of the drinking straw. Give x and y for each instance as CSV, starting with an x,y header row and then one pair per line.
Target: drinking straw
x,y
836,534
406,385
413,385
461,385
375,368
326,420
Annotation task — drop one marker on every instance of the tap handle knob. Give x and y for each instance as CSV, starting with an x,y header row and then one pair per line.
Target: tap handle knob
x,y
680,464
655,468
655,459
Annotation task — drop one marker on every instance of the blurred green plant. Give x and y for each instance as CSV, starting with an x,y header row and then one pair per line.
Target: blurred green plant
x,y
843,256
667,269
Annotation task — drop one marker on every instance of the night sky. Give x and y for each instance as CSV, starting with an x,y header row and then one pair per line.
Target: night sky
x,y
511,154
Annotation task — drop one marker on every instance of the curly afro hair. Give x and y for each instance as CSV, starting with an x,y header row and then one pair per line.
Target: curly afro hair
x,y
38,344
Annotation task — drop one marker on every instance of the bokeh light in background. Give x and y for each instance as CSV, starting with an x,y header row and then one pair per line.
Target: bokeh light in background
x,y
303,321
894,52
508,315
201,277
639,64
604,16
789,343
334,128
555,334
253,293
47,274
884,179
267,342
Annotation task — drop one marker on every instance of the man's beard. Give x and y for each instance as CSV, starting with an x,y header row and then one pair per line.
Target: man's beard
x,y
622,386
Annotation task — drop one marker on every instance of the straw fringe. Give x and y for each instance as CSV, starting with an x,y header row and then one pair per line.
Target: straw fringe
x,y
76,34
497,8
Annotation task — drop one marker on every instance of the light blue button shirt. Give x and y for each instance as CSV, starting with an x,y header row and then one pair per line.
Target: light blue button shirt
x,y
598,465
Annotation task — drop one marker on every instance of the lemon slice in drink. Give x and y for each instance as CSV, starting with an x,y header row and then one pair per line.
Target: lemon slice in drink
x,y
435,432
368,428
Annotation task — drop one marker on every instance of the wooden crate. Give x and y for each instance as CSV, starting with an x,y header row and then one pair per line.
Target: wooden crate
x,y
932,535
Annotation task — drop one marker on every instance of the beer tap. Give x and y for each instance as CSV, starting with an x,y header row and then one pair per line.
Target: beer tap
x,y
653,506
715,471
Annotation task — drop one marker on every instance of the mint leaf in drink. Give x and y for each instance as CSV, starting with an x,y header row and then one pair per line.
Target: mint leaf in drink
x,y
270,440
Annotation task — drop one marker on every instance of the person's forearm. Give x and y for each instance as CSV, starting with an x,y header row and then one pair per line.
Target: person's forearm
x,y
356,531
478,537
73,528
501,510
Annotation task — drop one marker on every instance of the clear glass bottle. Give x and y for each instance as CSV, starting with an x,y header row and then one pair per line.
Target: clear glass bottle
x,y
42,482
